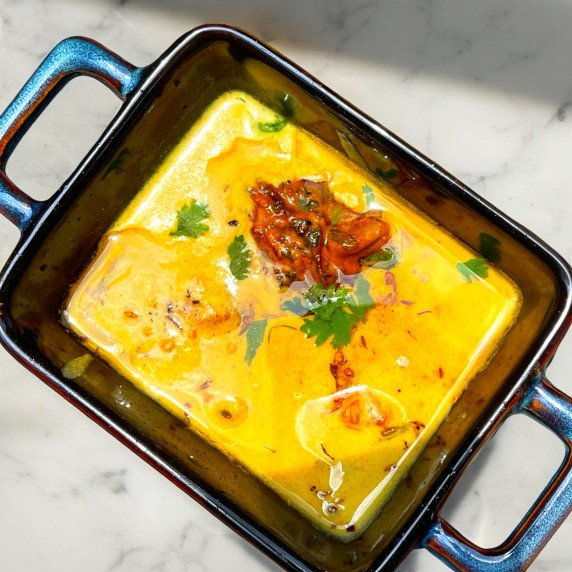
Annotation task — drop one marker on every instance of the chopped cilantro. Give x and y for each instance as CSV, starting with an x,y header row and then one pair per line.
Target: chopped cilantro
x,y
117,163
489,247
386,258
280,121
473,268
389,174
273,126
332,312
296,307
362,298
368,194
337,214
307,204
287,102
254,338
189,220
239,257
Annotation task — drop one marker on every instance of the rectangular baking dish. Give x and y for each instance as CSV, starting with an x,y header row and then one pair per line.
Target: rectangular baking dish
x,y
58,236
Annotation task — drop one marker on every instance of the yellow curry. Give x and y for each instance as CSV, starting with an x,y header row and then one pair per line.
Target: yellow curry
x,y
292,309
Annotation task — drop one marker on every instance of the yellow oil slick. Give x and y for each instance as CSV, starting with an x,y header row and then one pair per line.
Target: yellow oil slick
x,y
168,314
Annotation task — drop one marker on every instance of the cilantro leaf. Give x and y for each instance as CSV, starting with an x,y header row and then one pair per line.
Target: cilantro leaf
x,y
368,194
331,313
273,126
386,258
338,325
473,268
287,103
489,247
117,163
389,174
189,220
254,338
295,306
362,300
239,257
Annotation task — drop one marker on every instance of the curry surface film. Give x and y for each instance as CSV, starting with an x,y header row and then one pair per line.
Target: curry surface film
x,y
326,391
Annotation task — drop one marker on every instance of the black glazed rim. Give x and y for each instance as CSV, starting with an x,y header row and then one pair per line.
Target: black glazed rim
x,y
527,370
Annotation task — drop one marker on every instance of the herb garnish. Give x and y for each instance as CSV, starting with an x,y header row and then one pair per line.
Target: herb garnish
x,y
254,338
239,257
368,194
389,174
279,121
273,126
117,163
489,247
189,220
386,258
332,312
473,268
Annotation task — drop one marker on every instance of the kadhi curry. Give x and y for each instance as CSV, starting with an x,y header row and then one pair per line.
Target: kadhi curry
x,y
292,309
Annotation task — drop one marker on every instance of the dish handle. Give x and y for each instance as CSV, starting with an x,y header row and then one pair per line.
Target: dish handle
x,y
553,409
70,58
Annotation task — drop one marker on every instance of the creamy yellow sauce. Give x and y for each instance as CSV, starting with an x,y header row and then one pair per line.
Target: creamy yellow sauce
x,y
167,312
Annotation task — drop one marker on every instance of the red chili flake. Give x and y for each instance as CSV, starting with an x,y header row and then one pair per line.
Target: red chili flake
x,y
424,312
441,373
189,405
407,302
232,223
349,372
363,342
409,332
350,528
206,384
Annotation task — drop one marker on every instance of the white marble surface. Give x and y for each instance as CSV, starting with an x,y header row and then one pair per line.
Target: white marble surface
x,y
484,88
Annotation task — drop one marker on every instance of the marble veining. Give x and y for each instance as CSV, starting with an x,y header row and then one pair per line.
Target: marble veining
x,y
483,88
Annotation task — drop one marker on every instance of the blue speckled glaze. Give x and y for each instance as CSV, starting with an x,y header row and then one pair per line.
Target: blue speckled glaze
x,y
553,409
71,57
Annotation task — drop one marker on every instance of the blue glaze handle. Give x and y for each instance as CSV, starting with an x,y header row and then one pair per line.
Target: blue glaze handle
x,y
554,410
71,57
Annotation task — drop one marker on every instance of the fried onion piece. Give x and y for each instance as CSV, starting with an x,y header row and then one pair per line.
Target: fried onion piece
x,y
309,235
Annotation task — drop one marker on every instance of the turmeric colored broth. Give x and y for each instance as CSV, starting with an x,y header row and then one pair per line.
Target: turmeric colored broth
x,y
331,429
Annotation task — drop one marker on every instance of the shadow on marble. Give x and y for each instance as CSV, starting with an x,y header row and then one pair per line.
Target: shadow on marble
x,y
520,47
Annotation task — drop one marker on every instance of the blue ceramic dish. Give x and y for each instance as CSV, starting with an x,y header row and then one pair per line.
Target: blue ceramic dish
x,y
58,236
